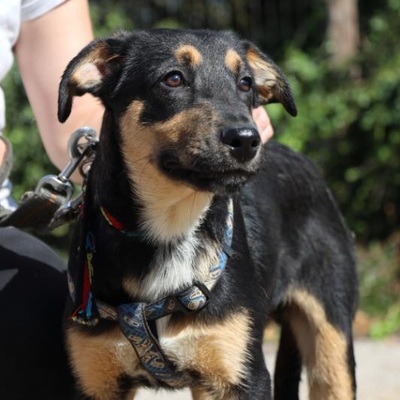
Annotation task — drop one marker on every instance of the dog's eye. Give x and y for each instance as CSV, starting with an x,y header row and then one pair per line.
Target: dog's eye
x,y
173,80
245,84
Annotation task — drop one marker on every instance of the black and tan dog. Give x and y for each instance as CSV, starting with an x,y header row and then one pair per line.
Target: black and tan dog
x,y
171,287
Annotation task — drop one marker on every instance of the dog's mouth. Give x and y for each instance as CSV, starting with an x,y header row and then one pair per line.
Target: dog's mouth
x,y
211,178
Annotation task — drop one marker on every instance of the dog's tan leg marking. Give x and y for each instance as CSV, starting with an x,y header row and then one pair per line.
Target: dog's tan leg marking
x,y
323,348
170,208
216,352
199,393
233,61
188,55
98,361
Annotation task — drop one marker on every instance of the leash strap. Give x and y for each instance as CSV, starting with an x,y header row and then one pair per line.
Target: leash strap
x,y
51,204
35,211
85,310
133,322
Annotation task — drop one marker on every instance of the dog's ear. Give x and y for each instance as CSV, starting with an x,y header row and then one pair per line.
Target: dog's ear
x,y
94,70
272,86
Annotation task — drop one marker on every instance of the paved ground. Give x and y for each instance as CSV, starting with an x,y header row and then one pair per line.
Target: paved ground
x,y
378,372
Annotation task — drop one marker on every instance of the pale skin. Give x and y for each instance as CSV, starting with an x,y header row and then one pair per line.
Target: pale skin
x,y
43,50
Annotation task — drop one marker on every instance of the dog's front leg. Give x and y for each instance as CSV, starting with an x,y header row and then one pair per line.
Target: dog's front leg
x,y
225,356
103,364
201,393
254,387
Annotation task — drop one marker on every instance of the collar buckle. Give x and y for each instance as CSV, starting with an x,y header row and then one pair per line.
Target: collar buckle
x,y
192,300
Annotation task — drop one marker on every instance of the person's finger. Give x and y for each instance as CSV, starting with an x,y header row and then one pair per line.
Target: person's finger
x,y
263,123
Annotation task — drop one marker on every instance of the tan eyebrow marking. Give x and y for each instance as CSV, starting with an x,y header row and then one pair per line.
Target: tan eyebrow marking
x,y
233,61
188,54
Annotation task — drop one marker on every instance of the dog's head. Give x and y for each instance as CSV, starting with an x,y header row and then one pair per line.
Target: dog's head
x,y
182,101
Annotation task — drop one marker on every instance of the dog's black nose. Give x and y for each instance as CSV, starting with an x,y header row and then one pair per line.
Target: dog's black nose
x,y
243,142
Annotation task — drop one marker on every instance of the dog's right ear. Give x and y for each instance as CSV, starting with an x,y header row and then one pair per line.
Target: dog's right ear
x,y
94,70
272,85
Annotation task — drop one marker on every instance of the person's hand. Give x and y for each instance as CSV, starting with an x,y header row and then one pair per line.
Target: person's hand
x,y
5,159
263,123
2,152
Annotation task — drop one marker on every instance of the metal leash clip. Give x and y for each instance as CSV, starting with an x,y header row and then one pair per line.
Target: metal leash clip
x,y
81,146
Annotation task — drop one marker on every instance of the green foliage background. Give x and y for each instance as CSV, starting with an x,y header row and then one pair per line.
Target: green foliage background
x,y
348,122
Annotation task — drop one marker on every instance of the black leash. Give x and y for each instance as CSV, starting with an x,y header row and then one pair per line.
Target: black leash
x,y
51,204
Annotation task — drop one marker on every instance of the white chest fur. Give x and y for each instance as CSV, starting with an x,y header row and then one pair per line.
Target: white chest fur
x,y
172,269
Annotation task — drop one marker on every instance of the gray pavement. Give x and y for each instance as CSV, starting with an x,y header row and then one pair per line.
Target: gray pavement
x,y
378,372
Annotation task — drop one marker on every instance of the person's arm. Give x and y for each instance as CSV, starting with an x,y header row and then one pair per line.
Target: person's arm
x,y
44,48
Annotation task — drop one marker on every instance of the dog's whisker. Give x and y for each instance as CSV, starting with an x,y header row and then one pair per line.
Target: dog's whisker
x,y
192,205
141,159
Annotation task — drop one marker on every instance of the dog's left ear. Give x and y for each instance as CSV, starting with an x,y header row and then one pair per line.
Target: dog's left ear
x,y
272,85
94,70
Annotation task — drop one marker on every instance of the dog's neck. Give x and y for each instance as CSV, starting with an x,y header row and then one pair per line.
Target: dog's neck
x,y
170,210
164,210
